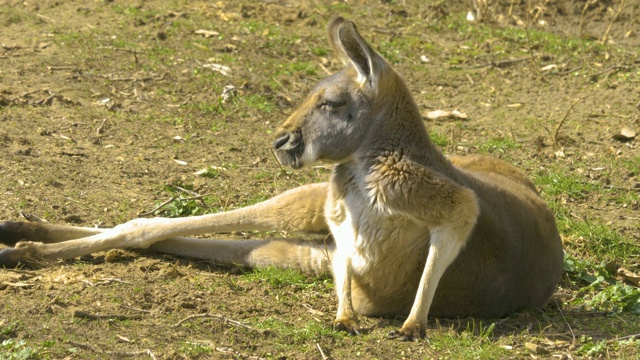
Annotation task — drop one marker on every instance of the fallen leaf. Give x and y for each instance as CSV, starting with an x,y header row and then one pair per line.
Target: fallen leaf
x,y
123,338
548,67
536,349
224,70
626,134
312,310
470,16
436,114
629,276
207,33
202,171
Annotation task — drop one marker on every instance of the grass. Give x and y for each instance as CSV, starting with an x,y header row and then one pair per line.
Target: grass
x,y
594,251
284,60
195,349
184,202
557,183
11,15
477,341
497,145
278,278
588,236
441,141
310,332
11,349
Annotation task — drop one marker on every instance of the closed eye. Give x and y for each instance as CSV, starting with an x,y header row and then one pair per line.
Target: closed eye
x,y
331,105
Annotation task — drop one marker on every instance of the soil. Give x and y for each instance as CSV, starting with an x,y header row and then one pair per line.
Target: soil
x,y
108,110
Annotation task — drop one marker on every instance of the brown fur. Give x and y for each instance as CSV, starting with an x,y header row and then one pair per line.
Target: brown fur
x,y
416,233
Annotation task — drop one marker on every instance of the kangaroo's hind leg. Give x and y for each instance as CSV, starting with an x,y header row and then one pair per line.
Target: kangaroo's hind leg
x,y
311,257
300,209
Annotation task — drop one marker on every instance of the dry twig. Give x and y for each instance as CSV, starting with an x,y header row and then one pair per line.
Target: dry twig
x,y
275,157
615,17
612,67
23,95
105,281
56,68
100,128
526,32
131,78
324,356
112,353
582,16
46,18
134,309
556,134
501,64
626,337
85,315
219,317
173,198
18,284
151,212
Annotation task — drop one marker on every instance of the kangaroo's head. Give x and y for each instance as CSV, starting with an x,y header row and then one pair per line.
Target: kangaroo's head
x,y
336,116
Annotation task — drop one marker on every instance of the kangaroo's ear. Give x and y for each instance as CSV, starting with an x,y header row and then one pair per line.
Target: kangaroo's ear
x,y
352,48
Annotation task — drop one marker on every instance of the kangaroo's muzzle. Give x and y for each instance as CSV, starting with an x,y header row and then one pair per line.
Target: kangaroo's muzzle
x,y
289,147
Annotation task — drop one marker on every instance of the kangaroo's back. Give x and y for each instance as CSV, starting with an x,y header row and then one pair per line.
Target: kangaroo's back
x,y
513,259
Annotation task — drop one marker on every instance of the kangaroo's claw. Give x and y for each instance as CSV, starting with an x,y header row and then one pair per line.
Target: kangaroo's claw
x,y
413,332
349,326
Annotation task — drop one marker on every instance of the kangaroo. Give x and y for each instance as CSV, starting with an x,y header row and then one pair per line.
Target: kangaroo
x,y
414,233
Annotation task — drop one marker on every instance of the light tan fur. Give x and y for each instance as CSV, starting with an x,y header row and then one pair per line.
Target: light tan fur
x,y
416,233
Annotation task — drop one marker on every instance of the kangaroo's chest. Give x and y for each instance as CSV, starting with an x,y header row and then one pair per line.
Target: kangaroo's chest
x,y
370,236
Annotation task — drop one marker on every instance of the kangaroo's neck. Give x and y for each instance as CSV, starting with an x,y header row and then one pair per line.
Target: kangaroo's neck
x,y
399,129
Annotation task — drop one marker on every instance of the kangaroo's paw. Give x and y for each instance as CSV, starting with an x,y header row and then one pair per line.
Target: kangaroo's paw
x,y
22,254
408,332
349,325
8,258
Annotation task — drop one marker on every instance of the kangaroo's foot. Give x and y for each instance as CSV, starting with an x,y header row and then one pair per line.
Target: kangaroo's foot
x,y
22,254
409,332
349,325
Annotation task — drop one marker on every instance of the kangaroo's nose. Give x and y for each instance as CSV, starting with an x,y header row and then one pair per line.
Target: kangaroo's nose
x,y
281,140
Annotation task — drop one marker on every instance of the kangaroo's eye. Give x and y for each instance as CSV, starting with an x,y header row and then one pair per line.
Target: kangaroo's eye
x,y
331,105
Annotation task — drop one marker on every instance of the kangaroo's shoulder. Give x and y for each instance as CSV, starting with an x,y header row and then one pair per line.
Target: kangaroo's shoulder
x,y
395,183
493,168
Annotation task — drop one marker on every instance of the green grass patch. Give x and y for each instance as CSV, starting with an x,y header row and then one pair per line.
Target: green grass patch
x,y
10,349
597,240
311,332
13,15
279,278
566,184
587,236
439,139
475,342
598,287
498,145
195,349
514,38
184,202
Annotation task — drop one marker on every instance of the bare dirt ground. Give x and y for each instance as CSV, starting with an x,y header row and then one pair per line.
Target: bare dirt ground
x,y
108,109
